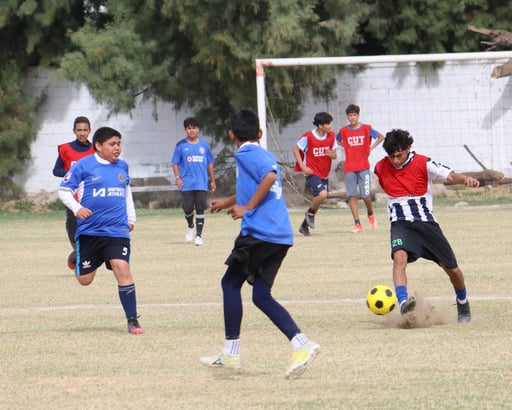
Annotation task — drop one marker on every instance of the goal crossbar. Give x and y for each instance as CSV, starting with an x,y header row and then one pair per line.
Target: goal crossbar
x,y
261,64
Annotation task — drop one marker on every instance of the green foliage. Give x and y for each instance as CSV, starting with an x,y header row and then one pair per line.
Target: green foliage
x,y
32,34
56,205
24,205
201,54
16,132
430,26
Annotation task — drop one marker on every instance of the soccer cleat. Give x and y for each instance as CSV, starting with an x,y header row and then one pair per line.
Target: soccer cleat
x,y
373,221
223,360
134,328
301,358
304,230
408,306
198,241
72,260
463,312
310,220
189,236
357,228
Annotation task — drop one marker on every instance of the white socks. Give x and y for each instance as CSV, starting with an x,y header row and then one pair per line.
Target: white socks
x,y
232,347
300,339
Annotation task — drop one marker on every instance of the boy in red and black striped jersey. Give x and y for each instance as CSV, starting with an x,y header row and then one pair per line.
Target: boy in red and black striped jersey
x,y
406,177
69,153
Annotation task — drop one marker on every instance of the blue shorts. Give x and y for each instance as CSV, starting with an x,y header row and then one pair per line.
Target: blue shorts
x,y
92,251
360,179
422,240
317,184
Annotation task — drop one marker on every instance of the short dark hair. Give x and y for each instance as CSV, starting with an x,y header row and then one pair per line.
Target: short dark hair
x,y
190,121
245,124
397,140
352,108
322,118
81,119
104,133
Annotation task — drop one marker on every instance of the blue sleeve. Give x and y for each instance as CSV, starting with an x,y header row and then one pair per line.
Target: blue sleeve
x,y
58,168
374,133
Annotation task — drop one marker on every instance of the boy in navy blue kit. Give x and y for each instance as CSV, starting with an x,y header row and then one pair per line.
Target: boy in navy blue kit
x,y
106,215
265,237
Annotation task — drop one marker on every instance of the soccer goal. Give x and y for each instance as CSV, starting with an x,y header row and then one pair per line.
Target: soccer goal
x,y
446,106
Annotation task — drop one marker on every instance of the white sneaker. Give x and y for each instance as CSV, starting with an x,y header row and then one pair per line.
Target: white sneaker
x,y
222,359
198,241
301,358
189,236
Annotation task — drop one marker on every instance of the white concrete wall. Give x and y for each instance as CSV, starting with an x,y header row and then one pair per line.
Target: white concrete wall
x,y
147,144
443,109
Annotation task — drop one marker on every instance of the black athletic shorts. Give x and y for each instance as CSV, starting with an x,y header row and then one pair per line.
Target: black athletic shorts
x,y
92,251
422,240
191,200
255,257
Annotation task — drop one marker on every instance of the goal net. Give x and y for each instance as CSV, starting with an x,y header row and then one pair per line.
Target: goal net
x,y
451,107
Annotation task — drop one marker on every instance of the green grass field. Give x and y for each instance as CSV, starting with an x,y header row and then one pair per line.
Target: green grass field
x,y
65,346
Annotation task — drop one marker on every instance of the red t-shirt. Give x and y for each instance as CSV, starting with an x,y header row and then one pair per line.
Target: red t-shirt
x,y
411,180
356,143
316,156
69,156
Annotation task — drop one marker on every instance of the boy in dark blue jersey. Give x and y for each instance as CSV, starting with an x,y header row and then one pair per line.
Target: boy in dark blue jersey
x,y
106,215
265,237
192,163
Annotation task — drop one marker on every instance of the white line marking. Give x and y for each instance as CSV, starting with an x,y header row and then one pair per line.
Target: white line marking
x,y
217,304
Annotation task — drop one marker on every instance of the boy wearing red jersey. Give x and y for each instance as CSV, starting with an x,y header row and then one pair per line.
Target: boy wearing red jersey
x,y
406,177
358,140
69,154
314,153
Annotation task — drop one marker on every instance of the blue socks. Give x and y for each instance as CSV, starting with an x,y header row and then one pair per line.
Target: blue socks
x,y
461,294
401,294
128,300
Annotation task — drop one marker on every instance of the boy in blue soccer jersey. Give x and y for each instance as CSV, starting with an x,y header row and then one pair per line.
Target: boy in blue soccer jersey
x,y
265,237
106,215
192,165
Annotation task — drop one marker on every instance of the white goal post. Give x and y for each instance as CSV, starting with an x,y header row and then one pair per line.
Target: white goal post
x,y
261,64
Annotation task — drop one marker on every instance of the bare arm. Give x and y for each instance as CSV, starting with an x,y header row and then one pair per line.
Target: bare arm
x,y
218,204
176,170
298,157
379,139
237,211
456,178
211,173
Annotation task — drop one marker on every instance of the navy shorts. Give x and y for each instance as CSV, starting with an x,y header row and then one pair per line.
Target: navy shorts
x,y
252,256
317,184
422,240
92,251
194,200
